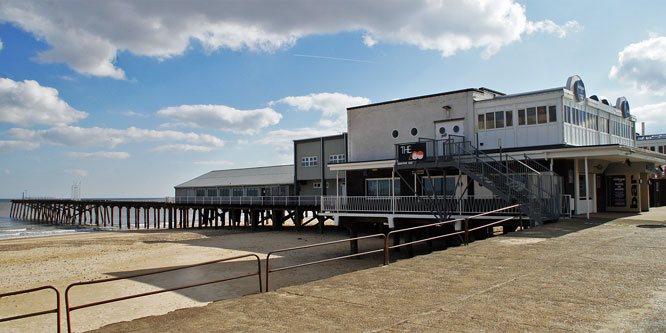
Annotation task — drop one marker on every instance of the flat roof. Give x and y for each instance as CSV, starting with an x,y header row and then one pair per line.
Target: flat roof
x,y
335,136
424,96
270,175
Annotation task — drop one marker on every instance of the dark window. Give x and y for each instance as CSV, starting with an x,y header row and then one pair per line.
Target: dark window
x,y
414,131
509,118
481,122
661,149
499,119
395,133
201,192
442,130
224,192
521,117
542,115
212,192
531,116
237,192
490,120
552,113
456,129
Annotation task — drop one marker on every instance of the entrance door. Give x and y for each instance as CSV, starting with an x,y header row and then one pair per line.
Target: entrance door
x,y
582,203
448,129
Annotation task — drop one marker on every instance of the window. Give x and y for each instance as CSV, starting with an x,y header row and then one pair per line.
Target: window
x,y
542,115
336,159
237,192
521,117
531,116
442,130
446,187
414,131
201,192
456,129
309,161
252,192
394,133
490,120
661,149
509,118
224,192
318,185
212,192
382,187
481,123
552,113
499,119
565,116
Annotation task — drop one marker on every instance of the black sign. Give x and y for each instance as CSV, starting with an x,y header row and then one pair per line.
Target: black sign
x,y
618,191
410,152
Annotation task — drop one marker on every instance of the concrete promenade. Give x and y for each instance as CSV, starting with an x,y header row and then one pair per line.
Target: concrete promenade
x,y
603,274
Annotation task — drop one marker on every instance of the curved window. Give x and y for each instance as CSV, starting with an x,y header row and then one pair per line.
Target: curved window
x,y
442,130
414,131
395,133
456,129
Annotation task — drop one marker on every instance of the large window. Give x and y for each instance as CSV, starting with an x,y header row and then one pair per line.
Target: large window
x,y
482,121
552,113
499,119
201,192
224,192
237,192
212,192
441,186
509,118
252,192
336,159
521,117
531,116
542,115
309,161
490,120
381,187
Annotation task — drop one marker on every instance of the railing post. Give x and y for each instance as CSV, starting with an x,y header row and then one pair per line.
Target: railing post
x,y
466,231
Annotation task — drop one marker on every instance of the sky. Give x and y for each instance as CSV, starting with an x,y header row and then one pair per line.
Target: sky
x,y
130,98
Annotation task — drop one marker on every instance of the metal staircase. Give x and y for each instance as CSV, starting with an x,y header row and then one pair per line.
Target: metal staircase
x,y
528,183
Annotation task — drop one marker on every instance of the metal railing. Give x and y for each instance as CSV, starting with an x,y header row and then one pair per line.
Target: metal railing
x,y
34,314
355,239
411,204
69,308
251,200
465,231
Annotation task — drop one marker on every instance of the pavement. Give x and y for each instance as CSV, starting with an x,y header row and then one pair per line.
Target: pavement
x,y
607,273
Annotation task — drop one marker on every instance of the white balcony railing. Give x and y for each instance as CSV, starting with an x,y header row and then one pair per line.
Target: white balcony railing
x,y
252,201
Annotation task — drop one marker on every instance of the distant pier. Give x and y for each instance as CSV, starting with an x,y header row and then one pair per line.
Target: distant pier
x,y
229,212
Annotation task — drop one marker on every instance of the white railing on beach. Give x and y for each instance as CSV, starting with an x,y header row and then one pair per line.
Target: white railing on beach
x,y
420,205
252,200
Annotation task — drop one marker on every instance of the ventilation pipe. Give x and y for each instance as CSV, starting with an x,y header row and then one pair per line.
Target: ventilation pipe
x,y
642,128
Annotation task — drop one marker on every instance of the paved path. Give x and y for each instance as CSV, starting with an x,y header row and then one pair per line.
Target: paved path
x,y
605,274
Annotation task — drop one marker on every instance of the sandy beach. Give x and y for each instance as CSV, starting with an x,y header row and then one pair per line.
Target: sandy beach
x,y
62,260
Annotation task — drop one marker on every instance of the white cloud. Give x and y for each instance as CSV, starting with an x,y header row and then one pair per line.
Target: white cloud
x,y
1,45
333,107
183,148
27,103
131,113
88,35
109,137
221,117
12,145
643,65
653,116
7,172
99,155
216,163
76,172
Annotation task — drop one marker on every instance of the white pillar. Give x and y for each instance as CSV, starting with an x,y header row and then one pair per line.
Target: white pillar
x,y
587,190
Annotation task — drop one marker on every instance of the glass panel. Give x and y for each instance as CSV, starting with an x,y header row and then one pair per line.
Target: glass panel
x,y
499,119
372,187
542,115
552,113
384,187
521,117
531,116
396,186
450,186
490,120
509,118
481,122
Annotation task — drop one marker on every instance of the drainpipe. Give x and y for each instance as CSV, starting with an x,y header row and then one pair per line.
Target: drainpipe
x,y
587,190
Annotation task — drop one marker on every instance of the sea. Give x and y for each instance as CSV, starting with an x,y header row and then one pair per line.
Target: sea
x,y
11,229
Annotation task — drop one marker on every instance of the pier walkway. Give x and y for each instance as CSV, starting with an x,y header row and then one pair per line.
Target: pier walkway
x,y
607,273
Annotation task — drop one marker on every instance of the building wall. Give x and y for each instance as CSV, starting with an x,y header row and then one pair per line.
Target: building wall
x,y
306,176
308,149
371,128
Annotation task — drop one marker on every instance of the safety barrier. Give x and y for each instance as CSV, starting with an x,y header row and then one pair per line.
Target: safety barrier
x,y
68,309
465,231
34,314
268,256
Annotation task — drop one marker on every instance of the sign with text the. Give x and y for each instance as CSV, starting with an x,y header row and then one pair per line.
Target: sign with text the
x,y
410,152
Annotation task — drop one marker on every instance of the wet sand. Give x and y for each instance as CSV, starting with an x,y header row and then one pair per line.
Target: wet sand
x,y
62,260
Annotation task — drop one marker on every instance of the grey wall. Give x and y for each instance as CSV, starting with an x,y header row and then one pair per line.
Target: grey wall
x,y
370,128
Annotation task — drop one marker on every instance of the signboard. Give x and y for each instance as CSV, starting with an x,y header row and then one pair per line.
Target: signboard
x,y
623,105
618,191
410,152
579,90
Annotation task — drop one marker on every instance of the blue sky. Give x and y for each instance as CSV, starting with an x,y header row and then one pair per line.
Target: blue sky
x,y
131,98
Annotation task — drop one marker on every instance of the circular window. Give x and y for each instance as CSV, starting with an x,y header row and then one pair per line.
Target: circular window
x,y
442,130
414,131
395,133
456,129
